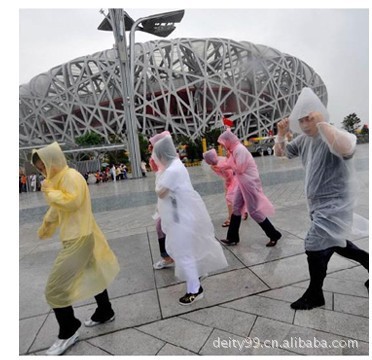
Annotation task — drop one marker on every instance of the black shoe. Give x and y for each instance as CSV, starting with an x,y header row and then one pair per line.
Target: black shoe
x,y
229,243
307,303
189,298
273,242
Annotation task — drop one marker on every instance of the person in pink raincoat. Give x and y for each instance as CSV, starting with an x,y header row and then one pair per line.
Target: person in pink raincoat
x,y
231,183
249,191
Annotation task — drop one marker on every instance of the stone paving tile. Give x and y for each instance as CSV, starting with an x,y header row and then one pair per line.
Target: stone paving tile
x,y
348,287
299,339
351,305
128,342
263,306
166,277
172,350
292,293
28,328
136,273
222,318
292,269
254,251
356,273
35,270
353,327
130,311
235,284
84,347
179,332
228,344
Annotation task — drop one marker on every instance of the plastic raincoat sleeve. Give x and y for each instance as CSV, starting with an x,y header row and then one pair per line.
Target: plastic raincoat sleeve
x,y
167,182
340,142
71,194
49,225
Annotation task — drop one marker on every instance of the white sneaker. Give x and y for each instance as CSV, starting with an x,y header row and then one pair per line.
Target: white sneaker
x,y
91,323
162,264
61,345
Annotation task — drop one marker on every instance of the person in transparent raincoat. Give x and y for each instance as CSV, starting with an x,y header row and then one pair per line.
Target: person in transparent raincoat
x,y
249,192
186,222
326,154
231,184
166,261
85,265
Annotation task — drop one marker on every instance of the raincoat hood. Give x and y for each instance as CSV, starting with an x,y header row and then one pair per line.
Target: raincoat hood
x,y
164,151
211,157
229,140
158,137
53,158
306,103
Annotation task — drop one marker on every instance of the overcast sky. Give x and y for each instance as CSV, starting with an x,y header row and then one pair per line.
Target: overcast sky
x,y
334,42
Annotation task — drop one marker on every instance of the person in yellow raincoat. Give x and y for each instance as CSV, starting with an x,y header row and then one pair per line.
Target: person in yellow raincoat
x,y
86,265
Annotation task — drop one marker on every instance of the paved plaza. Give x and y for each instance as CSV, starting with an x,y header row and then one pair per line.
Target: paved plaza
x,y
249,300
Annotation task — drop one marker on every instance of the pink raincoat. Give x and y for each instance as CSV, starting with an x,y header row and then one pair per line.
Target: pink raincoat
x,y
242,163
231,183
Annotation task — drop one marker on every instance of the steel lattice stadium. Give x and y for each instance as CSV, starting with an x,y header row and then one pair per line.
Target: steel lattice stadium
x,y
182,85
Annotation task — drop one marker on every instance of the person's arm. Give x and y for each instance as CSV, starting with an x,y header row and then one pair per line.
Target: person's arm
x,y
162,192
280,140
71,194
49,225
340,142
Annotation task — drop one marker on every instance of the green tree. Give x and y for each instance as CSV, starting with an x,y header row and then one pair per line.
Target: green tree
x,y
144,144
351,123
89,138
211,137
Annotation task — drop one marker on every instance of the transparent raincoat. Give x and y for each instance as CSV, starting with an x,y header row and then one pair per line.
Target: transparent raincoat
x,y
242,163
185,219
86,265
329,175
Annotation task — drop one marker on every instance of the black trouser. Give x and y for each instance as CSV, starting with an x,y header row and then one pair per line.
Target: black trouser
x,y
318,262
68,324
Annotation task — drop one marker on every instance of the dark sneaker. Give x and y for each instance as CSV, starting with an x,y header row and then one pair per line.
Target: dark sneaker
x,y
61,345
274,240
307,303
189,298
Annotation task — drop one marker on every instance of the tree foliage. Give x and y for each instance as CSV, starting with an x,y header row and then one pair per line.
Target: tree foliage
x,y
89,138
351,123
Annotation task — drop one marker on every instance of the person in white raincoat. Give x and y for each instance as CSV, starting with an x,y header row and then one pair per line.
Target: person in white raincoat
x,y
85,265
166,261
326,154
185,221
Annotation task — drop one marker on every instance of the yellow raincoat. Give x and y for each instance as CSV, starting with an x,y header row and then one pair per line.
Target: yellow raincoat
x,y
86,265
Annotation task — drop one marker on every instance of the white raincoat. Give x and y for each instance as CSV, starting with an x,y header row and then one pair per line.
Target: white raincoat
x,y
185,219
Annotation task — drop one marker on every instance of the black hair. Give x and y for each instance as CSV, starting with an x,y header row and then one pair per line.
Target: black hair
x,y
35,158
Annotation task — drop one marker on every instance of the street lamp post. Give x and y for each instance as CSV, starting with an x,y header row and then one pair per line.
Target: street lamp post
x,y
118,21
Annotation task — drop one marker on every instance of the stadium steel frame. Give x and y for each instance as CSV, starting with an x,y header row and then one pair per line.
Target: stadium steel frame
x,y
183,85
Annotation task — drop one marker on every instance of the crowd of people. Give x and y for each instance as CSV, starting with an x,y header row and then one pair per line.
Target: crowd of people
x,y
86,266
110,173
